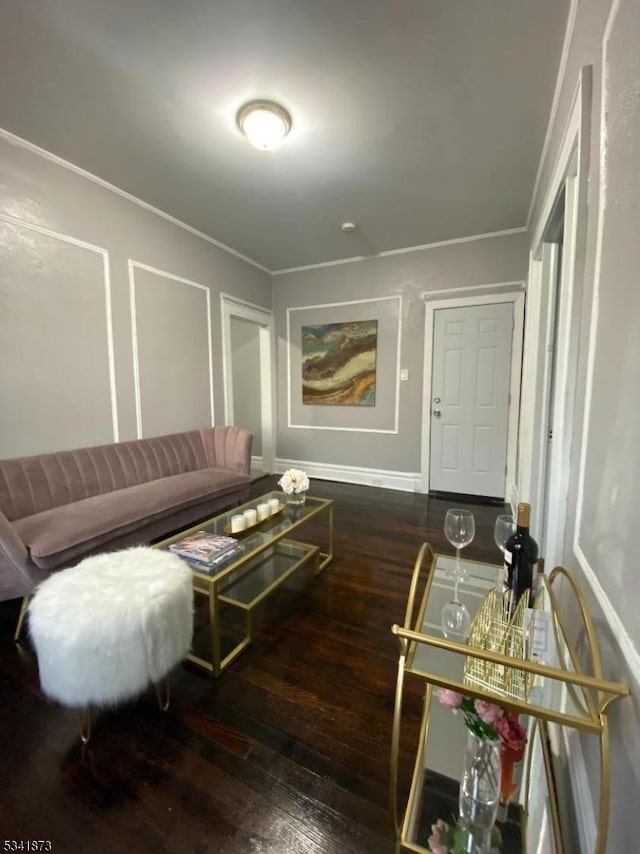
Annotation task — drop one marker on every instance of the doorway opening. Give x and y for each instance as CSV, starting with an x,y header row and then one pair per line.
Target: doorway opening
x,y
248,373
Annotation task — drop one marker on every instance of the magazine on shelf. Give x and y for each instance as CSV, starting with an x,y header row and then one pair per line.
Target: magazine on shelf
x,y
204,547
216,562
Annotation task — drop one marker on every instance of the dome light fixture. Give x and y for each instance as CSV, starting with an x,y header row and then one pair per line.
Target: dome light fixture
x,y
264,123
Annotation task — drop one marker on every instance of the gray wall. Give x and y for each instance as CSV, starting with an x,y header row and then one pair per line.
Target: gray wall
x,y
68,344
600,545
478,262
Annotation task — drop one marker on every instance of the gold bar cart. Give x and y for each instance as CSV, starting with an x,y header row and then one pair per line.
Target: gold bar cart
x,y
558,686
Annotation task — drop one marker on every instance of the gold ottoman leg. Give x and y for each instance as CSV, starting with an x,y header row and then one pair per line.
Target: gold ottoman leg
x,y
23,613
84,717
163,693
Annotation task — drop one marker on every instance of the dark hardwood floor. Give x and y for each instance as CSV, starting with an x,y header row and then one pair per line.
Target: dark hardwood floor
x,y
287,751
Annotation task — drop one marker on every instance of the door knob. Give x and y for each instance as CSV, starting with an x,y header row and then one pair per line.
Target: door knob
x,y
437,413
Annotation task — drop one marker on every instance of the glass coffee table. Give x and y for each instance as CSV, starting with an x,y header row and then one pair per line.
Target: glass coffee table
x,y
267,557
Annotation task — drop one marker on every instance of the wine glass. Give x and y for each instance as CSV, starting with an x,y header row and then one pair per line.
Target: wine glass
x,y
455,618
459,529
504,527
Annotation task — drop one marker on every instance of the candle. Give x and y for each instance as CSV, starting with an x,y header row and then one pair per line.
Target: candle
x,y
237,523
263,511
274,505
250,517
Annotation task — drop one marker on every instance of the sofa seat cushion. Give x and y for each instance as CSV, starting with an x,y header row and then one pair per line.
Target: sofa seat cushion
x,y
55,535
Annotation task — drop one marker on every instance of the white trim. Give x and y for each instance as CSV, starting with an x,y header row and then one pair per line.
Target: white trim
x,y
398,364
257,466
395,429
557,454
231,298
517,297
344,302
586,819
134,348
401,481
262,317
568,35
568,147
571,161
106,270
131,267
538,370
402,251
106,275
465,290
19,142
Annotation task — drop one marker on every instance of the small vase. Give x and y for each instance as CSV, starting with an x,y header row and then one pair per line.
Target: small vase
x,y
479,792
296,498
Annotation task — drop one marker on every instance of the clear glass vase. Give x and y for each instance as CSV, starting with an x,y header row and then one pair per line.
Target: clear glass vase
x,y
296,498
479,793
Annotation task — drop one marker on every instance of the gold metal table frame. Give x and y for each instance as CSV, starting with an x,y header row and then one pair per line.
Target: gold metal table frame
x,y
568,695
268,557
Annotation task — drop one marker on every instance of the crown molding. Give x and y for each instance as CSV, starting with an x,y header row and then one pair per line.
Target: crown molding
x,y
19,142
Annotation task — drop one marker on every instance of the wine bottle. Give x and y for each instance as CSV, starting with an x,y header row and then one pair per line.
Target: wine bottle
x,y
520,560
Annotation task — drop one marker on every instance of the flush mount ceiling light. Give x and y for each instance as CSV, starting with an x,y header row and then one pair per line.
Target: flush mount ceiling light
x,y
264,124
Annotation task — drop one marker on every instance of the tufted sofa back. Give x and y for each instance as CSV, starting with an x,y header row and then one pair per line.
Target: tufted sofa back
x,y
30,485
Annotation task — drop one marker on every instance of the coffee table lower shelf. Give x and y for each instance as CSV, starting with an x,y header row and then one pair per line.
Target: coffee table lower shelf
x,y
244,588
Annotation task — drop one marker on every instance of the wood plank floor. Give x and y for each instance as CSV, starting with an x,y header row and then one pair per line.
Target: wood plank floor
x,y
287,752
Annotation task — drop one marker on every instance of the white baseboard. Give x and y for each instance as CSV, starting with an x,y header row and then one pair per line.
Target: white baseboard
x,y
257,467
402,481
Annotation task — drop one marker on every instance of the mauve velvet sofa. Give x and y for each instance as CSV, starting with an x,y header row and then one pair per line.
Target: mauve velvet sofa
x,y
56,509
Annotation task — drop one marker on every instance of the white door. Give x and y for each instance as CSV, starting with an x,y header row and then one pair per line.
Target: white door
x,y
470,399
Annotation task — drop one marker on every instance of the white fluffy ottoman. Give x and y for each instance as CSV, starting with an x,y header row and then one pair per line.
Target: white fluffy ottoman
x,y
106,628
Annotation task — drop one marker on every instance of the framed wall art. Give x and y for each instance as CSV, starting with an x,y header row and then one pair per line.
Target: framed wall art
x,y
339,363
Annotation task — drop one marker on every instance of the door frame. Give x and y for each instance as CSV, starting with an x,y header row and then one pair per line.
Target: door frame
x,y
570,173
232,307
465,298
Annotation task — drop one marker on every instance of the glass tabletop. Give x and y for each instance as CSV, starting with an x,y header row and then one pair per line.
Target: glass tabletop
x,y
549,690
258,537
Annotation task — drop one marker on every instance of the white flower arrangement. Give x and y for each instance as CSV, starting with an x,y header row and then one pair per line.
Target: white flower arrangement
x,y
294,480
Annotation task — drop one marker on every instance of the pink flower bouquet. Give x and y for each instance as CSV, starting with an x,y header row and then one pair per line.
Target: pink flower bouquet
x,y
487,721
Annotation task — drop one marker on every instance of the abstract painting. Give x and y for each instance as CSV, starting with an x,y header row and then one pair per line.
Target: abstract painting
x,y
339,363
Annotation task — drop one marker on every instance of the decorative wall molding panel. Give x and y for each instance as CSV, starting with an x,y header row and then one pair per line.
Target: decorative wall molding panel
x,y
384,417
70,349
171,346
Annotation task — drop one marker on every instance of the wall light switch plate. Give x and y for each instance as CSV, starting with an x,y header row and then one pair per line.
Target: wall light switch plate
x,y
404,375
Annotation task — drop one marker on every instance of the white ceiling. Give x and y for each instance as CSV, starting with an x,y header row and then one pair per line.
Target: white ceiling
x,y
421,120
